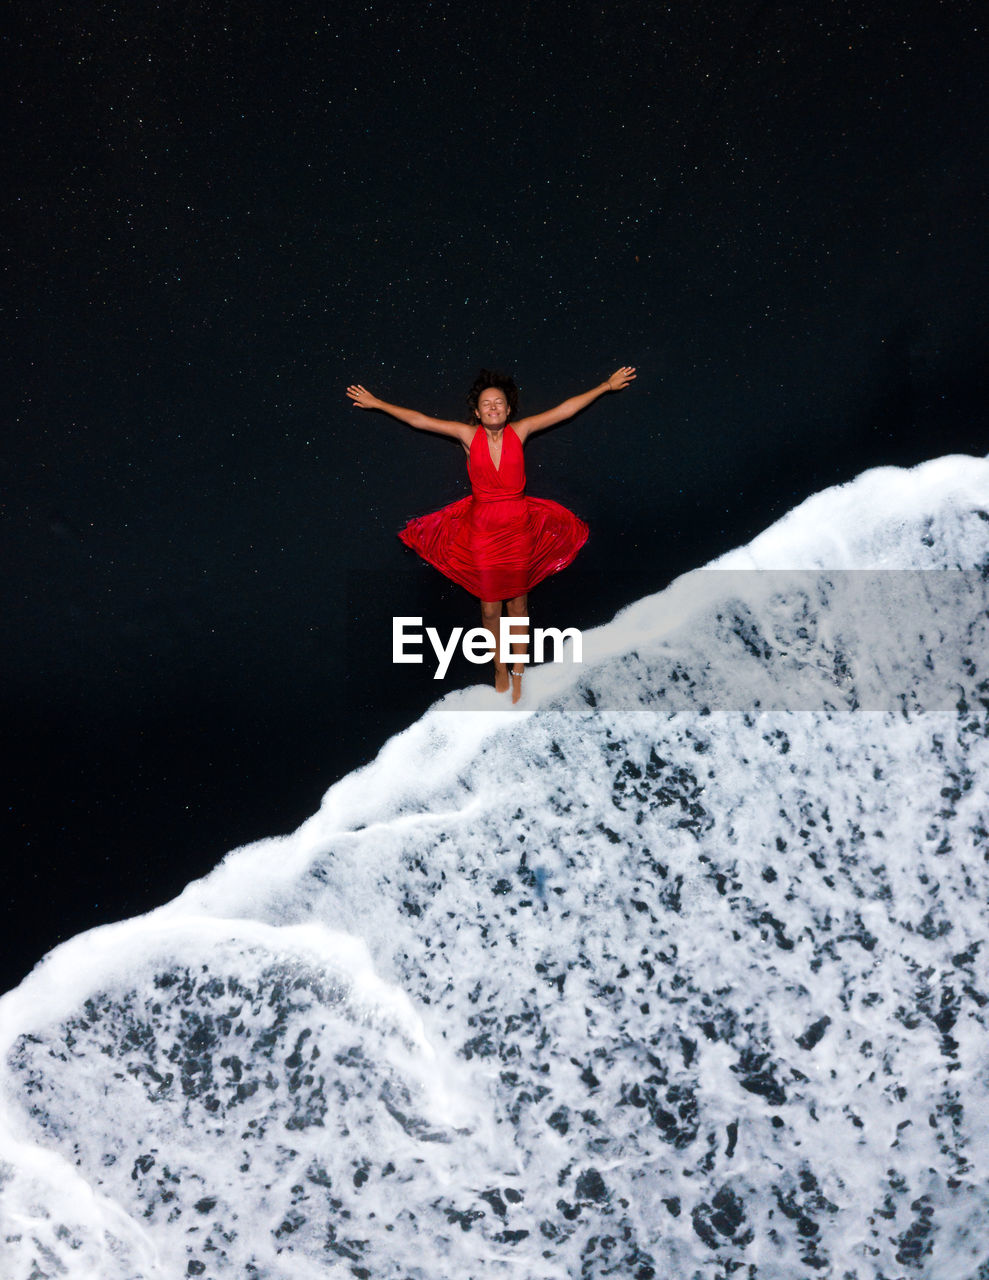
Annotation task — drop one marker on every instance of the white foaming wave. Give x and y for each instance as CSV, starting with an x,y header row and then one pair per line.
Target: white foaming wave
x,y
397,908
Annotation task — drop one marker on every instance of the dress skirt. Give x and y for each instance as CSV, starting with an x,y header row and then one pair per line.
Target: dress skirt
x,y
497,542
497,549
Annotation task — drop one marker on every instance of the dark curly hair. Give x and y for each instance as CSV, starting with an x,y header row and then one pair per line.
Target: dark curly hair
x,y
492,378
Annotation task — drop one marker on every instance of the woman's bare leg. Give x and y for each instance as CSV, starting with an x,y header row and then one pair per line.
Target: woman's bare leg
x,y
490,621
517,607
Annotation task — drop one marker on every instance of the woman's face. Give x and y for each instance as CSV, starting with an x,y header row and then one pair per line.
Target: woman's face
x,y
492,408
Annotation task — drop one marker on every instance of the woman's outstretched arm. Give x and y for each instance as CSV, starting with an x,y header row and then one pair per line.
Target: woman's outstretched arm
x,y
540,421
363,399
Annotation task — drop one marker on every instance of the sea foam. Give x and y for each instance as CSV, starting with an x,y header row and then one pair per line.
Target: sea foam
x,y
677,971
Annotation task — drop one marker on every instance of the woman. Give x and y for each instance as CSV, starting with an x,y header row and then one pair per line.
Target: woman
x,y
498,543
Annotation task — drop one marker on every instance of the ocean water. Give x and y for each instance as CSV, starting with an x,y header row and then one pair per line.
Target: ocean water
x,y
679,970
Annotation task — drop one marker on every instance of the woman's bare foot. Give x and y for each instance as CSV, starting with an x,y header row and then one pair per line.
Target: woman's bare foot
x,y
501,679
516,674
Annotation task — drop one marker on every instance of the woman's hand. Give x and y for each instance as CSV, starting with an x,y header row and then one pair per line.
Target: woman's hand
x,y
362,398
620,380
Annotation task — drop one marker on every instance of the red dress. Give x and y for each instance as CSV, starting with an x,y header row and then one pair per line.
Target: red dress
x,y
497,543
